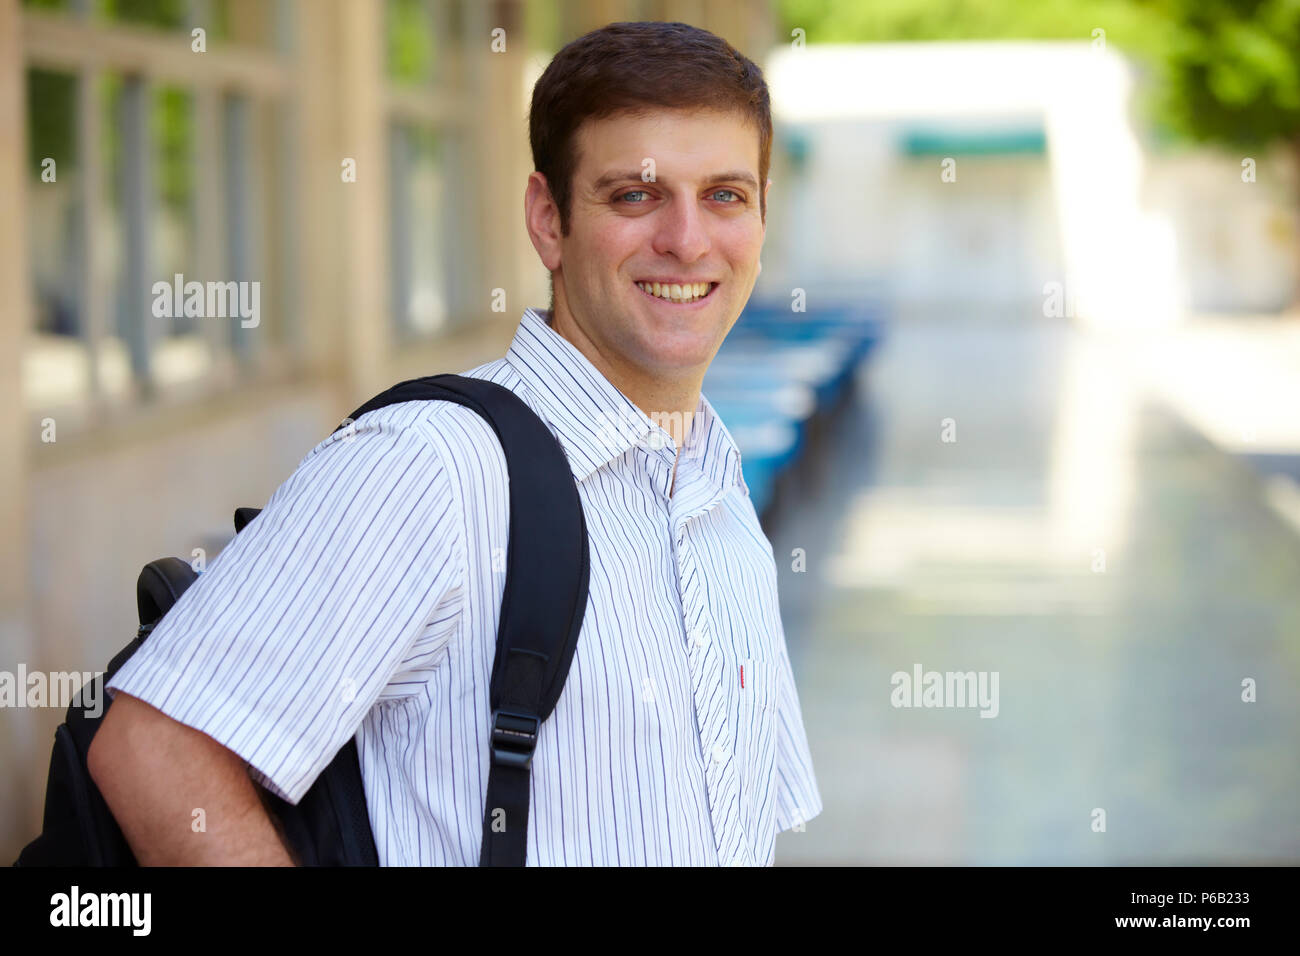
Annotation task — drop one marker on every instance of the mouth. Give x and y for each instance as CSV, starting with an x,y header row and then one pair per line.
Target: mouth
x,y
677,294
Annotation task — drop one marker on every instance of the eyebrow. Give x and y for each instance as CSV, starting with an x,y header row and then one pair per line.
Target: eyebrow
x,y
634,175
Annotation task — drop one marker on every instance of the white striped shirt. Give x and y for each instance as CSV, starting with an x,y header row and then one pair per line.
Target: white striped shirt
x,y
364,601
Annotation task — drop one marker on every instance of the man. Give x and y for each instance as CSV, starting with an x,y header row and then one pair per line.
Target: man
x,y
370,588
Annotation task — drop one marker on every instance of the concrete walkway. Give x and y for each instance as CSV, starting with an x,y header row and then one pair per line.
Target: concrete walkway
x,y
1121,574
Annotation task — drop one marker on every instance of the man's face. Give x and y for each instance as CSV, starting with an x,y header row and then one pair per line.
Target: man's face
x,y
699,220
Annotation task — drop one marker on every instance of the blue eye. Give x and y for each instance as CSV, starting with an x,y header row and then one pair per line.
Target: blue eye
x,y
738,199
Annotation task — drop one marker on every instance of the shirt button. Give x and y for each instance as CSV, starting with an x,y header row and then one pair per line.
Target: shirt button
x,y
719,753
700,639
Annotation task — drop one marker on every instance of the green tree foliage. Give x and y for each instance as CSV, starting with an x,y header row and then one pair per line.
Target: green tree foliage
x,y
1231,74
1133,26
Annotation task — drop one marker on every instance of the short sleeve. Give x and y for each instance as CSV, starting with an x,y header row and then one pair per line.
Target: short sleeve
x,y
797,797
349,579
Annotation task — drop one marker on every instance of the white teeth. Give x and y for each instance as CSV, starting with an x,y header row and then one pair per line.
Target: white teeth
x,y
674,292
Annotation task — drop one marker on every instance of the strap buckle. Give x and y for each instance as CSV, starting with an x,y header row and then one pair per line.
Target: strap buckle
x,y
514,738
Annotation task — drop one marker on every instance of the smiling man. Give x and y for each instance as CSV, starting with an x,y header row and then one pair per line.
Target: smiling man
x,y
652,262
650,141
678,738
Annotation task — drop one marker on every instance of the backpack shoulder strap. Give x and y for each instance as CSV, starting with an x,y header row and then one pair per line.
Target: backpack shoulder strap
x,y
545,594
542,608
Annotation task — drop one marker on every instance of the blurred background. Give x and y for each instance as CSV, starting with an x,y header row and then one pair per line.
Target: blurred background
x,y
1018,390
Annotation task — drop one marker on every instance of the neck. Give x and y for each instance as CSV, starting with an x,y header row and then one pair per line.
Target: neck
x,y
671,404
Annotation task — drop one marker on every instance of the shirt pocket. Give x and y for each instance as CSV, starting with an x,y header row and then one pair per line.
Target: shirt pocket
x,y
758,685
756,747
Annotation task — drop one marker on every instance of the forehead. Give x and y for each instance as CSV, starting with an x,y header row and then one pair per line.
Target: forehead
x,y
685,141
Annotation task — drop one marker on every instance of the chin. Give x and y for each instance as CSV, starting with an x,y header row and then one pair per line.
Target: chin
x,y
678,360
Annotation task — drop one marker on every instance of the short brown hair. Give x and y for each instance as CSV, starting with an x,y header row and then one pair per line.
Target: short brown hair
x,y
636,68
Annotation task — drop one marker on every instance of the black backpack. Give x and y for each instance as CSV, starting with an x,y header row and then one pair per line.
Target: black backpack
x,y
541,615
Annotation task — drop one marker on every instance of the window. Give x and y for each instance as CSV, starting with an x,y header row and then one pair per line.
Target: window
x,y
433,233
147,164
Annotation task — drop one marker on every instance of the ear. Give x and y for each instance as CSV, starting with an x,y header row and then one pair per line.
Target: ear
x,y
542,220
766,190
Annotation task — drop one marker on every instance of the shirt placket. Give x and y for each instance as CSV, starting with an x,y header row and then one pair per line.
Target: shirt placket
x,y
722,778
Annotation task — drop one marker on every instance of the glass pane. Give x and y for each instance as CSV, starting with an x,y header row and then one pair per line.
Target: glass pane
x,y
165,14
56,362
428,203
272,190
239,22
542,25
218,25
180,349
250,159
243,22
458,215
410,41
451,18
114,359
52,168
420,226
134,181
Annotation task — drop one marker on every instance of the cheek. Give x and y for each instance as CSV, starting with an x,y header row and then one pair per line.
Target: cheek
x,y
604,253
740,242
618,236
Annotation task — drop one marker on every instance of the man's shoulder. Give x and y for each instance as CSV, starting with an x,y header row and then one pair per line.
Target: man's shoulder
x,y
460,439
430,419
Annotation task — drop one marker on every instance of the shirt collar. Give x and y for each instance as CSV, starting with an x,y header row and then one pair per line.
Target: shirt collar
x,y
595,422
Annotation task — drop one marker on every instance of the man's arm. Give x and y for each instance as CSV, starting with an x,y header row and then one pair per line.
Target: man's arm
x,y
353,572
155,772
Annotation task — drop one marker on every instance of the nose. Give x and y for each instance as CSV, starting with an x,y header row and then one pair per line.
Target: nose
x,y
682,232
